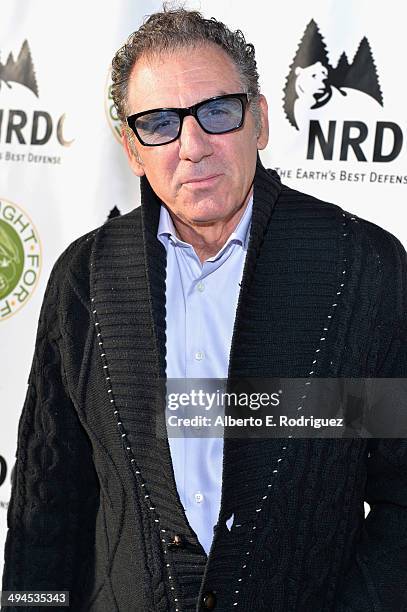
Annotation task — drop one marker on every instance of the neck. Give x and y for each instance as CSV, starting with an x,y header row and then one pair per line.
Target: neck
x,y
207,239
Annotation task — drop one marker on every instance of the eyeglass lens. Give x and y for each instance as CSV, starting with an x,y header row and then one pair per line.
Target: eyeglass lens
x,y
215,116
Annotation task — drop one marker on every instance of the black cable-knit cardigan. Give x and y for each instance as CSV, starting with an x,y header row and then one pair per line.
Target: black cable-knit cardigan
x,y
94,505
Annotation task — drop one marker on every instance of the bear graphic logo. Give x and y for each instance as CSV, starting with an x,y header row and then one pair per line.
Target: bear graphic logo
x,y
313,82
19,71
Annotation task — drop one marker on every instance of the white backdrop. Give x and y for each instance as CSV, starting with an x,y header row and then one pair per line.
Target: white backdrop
x,y
63,169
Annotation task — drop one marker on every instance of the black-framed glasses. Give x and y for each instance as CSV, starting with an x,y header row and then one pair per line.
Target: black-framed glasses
x,y
217,115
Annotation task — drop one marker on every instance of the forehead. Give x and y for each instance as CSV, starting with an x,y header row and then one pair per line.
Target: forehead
x,y
181,77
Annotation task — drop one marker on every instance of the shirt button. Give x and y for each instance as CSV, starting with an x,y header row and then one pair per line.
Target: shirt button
x,y
200,286
198,496
209,600
199,355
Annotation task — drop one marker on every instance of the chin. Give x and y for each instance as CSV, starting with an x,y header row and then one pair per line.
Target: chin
x,y
207,213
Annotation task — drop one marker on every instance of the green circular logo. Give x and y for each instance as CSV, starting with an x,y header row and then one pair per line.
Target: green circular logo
x,y
11,259
20,258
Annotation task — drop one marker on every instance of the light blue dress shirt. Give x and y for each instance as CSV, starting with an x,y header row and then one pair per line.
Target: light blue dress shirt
x,y
201,302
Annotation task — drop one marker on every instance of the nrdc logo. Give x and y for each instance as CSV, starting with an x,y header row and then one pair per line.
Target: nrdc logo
x,y
24,126
20,258
320,100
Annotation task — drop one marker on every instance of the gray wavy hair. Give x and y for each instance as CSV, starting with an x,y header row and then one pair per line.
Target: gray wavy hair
x,y
176,29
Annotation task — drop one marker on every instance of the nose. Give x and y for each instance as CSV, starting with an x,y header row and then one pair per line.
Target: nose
x,y
194,143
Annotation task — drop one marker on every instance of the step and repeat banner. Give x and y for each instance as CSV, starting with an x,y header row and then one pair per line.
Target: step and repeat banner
x,y
330,71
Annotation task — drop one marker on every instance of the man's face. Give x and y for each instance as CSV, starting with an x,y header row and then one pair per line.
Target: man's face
x,y
202,178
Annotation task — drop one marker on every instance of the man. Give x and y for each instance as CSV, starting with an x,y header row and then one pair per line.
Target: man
x,y
221,272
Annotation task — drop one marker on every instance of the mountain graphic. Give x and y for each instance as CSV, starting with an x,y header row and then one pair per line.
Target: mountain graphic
x,y
19,71
361,74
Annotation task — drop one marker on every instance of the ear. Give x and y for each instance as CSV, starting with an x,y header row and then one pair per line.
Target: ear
x,y
132,154
263,136
298,70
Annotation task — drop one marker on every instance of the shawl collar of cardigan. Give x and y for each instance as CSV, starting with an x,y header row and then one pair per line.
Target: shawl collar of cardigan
x,y
288,297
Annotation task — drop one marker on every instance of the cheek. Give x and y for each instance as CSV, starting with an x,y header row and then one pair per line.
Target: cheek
x,y
242,160
160,170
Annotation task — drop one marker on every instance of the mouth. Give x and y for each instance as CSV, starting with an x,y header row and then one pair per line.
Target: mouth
x,y
201,181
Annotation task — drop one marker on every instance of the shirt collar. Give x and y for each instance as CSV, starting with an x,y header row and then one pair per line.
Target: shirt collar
x,y
166,230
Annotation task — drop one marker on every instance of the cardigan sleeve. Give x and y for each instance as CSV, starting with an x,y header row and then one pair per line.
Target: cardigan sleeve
x,y
51,514
377,579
